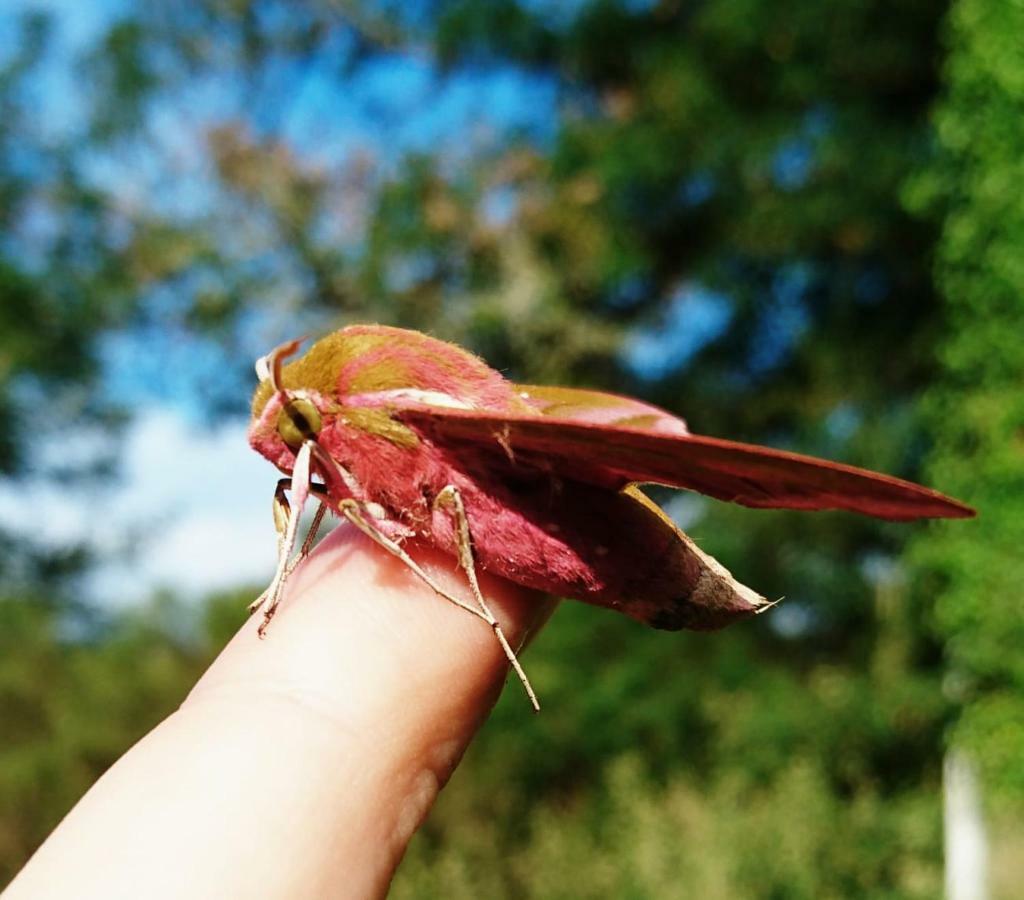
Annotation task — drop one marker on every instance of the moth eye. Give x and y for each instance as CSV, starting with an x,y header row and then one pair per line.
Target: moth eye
x,y
298,421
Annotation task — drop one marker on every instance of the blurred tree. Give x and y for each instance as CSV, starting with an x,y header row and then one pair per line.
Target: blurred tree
x,y
977,410
74,700
712,220
60,290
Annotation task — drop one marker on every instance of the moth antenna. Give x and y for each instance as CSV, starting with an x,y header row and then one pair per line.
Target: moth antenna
x,y
268,368
450,496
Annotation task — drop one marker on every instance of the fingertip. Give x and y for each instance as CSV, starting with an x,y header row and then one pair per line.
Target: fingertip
x,y
361,642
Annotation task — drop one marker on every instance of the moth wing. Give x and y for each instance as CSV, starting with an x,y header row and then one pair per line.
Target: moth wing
x,y
581,447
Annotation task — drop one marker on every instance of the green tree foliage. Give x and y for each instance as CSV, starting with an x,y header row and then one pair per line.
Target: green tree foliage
x,y
77,691
712,777
977,411
60,289
717,839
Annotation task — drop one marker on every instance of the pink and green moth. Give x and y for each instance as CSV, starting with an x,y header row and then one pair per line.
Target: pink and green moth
x,y
408,436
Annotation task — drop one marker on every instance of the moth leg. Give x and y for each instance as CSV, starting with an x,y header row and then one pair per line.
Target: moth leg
x,y
314,528
276,590
282,513
450,497
273,593
768,606
302,486
354,512
282,510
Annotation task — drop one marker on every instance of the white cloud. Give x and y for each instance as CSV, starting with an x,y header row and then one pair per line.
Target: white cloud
x,y
196,503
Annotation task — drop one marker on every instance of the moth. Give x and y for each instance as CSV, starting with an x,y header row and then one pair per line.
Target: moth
x,y
407,436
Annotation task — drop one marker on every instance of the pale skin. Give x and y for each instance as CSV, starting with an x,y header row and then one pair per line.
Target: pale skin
x,y
302,764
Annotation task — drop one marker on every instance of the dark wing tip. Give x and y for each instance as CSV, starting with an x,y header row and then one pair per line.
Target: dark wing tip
x,y
954,509
908,501
933,505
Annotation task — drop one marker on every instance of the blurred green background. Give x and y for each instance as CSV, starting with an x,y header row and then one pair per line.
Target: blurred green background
x,y
793,222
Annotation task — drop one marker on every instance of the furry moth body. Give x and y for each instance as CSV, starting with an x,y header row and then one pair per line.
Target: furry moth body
x,y
412,436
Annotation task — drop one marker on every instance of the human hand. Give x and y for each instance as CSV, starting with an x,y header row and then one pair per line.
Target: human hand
x,y
299,765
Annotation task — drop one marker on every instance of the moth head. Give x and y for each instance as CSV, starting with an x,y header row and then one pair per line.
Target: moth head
x,y
298,419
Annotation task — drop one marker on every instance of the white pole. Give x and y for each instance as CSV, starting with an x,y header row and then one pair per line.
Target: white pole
x,y
966,843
